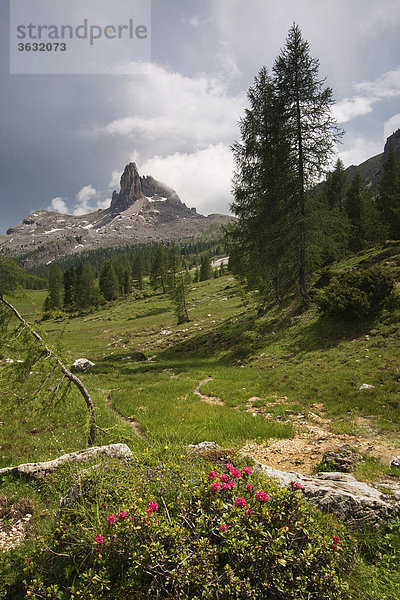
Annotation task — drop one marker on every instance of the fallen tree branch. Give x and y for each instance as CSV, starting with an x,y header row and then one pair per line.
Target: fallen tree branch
x,y
73,378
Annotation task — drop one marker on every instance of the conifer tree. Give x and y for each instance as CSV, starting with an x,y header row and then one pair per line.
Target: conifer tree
x,y
178,292
70,287
108,282
159,268
87,291
54,300
336,186
261,246
366,223
205,268
138,268
310,129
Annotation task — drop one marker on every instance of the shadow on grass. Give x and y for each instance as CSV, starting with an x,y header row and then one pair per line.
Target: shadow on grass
x,y
233,339
151,313
327,332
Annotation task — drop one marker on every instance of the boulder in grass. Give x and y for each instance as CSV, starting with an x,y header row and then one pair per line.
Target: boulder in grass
x,y
354,502
81,364
396,462
41,469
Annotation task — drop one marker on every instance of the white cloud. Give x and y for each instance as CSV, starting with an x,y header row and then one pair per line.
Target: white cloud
x,y
385,86
84,196
350,108
169,107
228,61
202,179
360,150
102,204
115,179
58,204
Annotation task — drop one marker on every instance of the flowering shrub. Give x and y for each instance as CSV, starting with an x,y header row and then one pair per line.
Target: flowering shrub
x,y
225,534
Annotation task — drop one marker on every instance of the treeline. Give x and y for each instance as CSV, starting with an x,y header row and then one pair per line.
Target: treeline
x,y
79,287
289,223
191,252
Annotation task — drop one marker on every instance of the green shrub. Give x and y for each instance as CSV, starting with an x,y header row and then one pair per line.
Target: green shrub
x,y
174,530
356,294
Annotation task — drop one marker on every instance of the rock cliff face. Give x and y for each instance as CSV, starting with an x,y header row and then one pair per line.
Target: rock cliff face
x,y
392,143
134,187
143,210
372,168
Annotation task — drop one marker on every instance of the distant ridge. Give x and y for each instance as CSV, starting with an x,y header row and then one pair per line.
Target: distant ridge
x,y
372,168
144,210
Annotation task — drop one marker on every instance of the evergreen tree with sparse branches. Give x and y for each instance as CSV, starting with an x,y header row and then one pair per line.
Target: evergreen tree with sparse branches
x,y
287,140
310,128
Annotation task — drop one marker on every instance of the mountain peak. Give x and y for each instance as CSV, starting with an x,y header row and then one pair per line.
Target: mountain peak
x,y
133,187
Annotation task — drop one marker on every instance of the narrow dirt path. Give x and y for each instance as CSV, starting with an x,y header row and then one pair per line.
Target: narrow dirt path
x,y
131,421
204,397
313,437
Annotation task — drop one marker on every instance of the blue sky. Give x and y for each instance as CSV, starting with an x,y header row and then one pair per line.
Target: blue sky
x,y
67,138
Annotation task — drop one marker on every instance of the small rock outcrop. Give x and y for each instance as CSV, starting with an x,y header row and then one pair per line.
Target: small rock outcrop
x,y
40,469
341,494
81,364
344,459
396,462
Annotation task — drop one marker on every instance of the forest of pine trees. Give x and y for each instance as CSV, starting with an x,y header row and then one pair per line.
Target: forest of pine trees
x,y
294,215
80,286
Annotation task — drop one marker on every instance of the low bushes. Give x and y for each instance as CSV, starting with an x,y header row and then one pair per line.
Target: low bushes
x,y
178,530
355,294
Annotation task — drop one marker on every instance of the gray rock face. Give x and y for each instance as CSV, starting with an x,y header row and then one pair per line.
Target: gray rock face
x,y
343,459
40,469
392,143
133,187
372,168
341,494
81,364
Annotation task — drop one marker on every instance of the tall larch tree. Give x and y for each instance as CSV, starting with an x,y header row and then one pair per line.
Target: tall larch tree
x,y
263,188
312,131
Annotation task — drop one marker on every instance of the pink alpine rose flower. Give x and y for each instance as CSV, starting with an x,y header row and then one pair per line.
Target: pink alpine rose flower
x,y
123,514
230,468
111,519
223,477
215,486
222,527
247,471
212,475
237,473
99,539
151,507
249,487
262,496
240,502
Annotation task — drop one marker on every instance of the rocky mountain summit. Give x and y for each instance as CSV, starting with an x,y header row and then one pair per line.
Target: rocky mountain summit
x,y
372,168
144,210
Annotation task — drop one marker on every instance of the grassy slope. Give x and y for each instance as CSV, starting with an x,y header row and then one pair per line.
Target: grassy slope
x,y
304,358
